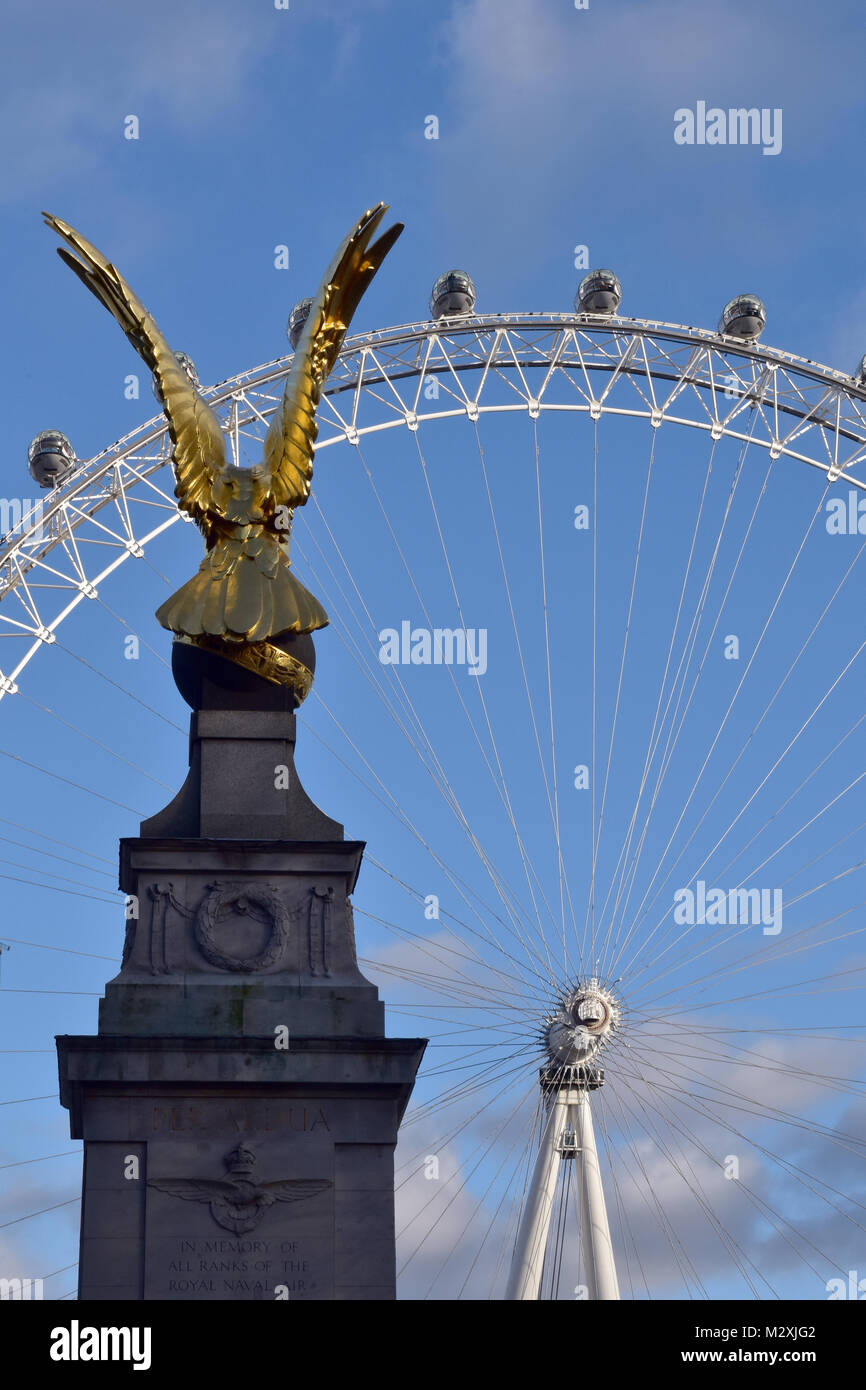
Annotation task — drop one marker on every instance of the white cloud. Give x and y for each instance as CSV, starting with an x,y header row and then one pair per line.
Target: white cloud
x,y
670,1120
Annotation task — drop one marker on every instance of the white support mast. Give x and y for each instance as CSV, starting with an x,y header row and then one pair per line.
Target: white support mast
x,y
594,1230
573,1038
524,1280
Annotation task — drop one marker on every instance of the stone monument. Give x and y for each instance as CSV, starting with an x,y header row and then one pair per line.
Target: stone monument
x,y
239,1105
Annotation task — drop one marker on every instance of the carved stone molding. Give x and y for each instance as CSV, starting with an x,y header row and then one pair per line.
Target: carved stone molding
x,y
350,922
162,896
238,1202
244,898
319,926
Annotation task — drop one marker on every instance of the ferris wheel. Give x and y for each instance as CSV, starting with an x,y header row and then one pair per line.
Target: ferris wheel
x,y
612,673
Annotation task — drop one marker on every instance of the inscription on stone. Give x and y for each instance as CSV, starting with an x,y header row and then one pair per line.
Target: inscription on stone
x,y
241,1268
245,1119
245,1234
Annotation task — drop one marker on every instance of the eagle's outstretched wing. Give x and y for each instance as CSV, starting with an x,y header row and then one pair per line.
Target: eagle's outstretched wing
x,y
199,446
289,441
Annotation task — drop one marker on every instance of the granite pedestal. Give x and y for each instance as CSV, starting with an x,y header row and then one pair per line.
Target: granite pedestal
x,y
240,1104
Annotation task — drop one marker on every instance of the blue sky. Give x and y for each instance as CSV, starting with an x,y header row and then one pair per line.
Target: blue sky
x,y
259,128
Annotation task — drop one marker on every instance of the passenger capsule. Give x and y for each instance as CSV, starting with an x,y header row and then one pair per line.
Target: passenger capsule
x,y
860,374
453,293
599,292
744,317
51,458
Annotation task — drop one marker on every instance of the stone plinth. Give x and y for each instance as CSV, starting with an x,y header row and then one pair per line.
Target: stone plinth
x,y
239,1107
223,1170
242,782
240,937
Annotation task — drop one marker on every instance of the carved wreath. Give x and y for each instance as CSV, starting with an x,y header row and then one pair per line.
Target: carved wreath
x,y
242,896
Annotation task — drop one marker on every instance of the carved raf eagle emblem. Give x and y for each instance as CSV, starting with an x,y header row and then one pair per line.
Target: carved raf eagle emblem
x,y
238,1202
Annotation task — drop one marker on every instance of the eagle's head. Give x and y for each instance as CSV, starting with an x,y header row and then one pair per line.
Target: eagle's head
x,y
239,493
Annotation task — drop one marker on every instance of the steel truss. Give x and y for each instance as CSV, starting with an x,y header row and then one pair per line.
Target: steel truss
x,y
113,505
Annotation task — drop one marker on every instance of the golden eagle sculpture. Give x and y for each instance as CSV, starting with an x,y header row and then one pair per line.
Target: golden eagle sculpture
x,y
244,597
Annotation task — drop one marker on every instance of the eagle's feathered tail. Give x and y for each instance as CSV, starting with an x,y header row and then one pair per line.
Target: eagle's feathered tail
x,y
244,591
